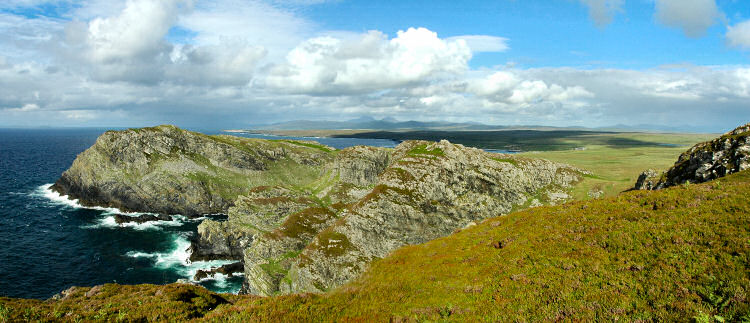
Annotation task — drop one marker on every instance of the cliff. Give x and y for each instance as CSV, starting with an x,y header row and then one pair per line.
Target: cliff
x,y
168,170
427,191
706,161
304,217
677,254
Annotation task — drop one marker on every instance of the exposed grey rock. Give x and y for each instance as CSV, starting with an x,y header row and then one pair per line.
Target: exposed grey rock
x,y
220,240
301,216
427,190
63,295
706,161
647,180
172,171
227,270
262,210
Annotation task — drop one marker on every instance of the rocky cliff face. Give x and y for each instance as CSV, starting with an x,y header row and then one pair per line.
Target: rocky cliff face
x,y
706,161
172,171
425,190
303,217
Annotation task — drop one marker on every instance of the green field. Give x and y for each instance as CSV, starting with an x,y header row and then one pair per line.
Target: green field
x,y
616,159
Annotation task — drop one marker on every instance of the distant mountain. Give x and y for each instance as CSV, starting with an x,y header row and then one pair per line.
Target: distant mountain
x,y
369,123
390,123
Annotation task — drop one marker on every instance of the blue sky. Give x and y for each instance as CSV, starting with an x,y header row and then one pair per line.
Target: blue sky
x,y
230,63
546,33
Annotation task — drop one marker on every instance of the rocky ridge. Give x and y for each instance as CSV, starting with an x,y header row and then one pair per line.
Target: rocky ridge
x,y
168,170
427,191
304,217
706,161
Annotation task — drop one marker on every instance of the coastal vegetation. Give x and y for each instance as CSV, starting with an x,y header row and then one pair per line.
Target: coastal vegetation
x,y
374,237
675,254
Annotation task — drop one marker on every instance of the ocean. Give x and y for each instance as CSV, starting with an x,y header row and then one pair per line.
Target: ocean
x,y
49,243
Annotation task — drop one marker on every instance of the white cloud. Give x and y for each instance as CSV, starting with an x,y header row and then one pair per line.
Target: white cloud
x,y
251,21
136,33
229,63
692,16
739,35
603,11
483,43
371,62
249,62
513,91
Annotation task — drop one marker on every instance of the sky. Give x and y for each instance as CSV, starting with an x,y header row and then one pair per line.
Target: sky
x,y
232,64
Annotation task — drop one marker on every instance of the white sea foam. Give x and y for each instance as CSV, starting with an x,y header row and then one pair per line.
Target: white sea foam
x,y
58,199
178,259
108,221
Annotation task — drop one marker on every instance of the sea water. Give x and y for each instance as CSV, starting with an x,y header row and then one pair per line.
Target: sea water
x,y
49,243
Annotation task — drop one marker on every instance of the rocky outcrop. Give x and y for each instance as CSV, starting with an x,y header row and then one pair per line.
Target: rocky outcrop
x,y
226,270
262,210
425,191
706,161
647,180
168,170
303,217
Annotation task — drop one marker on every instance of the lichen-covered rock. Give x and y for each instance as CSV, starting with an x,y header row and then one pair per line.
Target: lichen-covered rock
x,y
168,170
263,209
303,217
647,180
220,240
706,161
426,191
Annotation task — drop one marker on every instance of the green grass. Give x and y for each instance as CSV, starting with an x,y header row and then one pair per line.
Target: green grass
x,y
677,254
422,150
506,160
615,168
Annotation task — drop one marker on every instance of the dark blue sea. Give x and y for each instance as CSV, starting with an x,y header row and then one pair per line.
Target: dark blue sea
x,y
49,243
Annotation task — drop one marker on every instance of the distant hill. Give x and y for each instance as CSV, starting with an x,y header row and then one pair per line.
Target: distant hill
x,y
368,123
390,123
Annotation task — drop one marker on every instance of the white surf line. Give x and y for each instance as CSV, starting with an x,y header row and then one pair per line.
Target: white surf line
x,y
178,259
56,198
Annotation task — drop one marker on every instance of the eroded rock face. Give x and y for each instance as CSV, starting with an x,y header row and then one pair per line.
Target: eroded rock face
x,y
426,191
706,161
262,210
168,170
303,217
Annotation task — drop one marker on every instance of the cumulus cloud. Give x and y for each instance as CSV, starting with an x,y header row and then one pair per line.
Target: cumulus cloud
x,y
226,69
739,35
692,16
509,91
132,46
370,62
603,11
136,33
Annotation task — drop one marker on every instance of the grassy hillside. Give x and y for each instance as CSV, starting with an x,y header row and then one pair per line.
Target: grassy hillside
x,y
675,254
616,159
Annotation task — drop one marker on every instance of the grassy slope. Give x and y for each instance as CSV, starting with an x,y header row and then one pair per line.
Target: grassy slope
x,y
616,160
674,254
